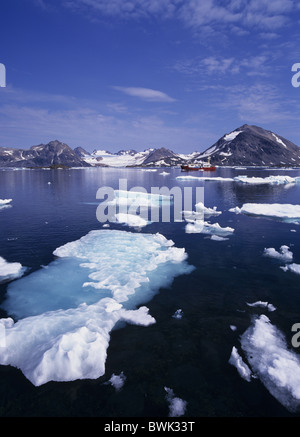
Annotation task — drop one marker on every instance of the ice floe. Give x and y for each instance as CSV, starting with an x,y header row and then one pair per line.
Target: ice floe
x,y
117,381
218,238
295,268
130,220
203,227
285,212
177,406
62,332
284,253
178,314
9,271
273,180
270,359
261,304
5,201
242,368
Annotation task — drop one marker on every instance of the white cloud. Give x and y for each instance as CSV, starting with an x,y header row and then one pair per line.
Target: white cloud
x,y
145,94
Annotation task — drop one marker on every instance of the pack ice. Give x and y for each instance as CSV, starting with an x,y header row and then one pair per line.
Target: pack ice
x,y
66,311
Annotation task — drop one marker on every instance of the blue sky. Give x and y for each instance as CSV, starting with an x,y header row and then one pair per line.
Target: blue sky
x,y
115,74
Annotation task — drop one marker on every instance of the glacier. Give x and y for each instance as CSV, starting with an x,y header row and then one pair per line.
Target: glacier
x,y
60,316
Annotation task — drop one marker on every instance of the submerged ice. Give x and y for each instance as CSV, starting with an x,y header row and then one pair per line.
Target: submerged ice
x,y
62,331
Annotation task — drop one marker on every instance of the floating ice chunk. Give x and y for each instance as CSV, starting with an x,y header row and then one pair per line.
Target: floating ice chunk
x,y
63,333
233,327
10,271
286,212
5,201
117,381
295,268
130,220
164,173
277,367
237,361
202,227
206,210
218,238
204,178
284,255
261,304
177,406
178,314
272,180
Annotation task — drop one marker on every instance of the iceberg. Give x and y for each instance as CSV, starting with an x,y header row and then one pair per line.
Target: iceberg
x,y
60,317
283,255
272,362
285,212
9,271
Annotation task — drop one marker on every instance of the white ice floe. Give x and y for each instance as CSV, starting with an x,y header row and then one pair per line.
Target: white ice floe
x,y
177,406
9,270
164,173
242,368
204,178
63,332
130,220
202,227
200,212
285,212
272,180
284,253
261,304
295,268
270,359
117,381
5,201
218,238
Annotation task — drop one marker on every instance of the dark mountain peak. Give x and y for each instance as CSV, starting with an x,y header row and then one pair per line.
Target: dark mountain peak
x,y
253,145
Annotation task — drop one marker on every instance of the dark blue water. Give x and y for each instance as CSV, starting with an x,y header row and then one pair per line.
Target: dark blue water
x,y
189,355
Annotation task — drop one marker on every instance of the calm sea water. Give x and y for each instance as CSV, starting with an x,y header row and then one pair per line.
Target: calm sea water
x,y
189,355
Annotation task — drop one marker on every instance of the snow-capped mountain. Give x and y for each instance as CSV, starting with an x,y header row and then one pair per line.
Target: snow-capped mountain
x,y
246,145
52,154
252,145
130,158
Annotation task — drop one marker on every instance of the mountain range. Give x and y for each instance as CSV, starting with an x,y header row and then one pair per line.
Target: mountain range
x,y
246,145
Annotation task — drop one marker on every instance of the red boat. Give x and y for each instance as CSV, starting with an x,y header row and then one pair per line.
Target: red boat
x,y
204,166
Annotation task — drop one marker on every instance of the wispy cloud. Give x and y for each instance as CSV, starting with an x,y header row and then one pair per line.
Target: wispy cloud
x,y
220,65
145,94
264,14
